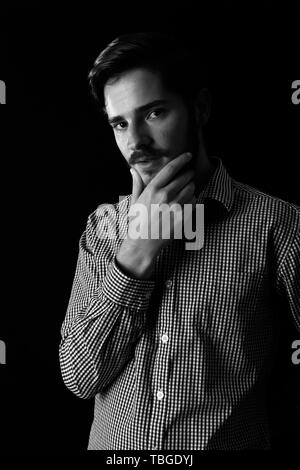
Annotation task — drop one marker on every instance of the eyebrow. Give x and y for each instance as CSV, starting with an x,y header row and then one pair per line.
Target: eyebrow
x,y
143,108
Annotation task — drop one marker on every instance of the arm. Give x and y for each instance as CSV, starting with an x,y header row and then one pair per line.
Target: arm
x,y
112,288
104,320
289,279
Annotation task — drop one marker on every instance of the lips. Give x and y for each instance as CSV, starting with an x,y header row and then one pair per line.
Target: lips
x,y
144,157
147,159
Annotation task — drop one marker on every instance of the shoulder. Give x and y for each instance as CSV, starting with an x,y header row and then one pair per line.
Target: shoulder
x,y
271,208
274,220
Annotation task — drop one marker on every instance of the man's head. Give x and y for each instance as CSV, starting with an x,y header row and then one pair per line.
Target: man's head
x,y
152,91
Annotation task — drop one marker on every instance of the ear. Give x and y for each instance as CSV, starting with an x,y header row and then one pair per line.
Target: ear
x,y
203,106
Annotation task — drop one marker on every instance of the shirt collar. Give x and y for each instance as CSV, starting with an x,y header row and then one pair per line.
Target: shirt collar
x,y
219,186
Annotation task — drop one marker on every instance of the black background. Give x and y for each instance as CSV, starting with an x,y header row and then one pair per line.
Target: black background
x,y
59,163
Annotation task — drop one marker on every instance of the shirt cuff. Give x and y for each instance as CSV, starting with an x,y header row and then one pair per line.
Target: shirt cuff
x,y
127,291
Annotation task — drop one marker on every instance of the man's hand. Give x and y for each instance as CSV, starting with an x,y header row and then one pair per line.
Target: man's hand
x,y
170,186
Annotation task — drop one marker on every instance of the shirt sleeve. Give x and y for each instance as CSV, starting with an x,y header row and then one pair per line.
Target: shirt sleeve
x,y
289,279
104,320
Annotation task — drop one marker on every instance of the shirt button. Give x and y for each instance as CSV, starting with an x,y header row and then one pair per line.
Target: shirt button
x,y
165,338
169,284
160,395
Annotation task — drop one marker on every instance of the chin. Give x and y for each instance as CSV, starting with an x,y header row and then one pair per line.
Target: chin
x,y
147,174
147,178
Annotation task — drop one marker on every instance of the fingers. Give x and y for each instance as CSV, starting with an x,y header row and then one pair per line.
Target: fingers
x,y
137,185
185,196
169,170
176,185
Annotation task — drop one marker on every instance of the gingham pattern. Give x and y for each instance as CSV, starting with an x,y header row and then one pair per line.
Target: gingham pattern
x,y
180,362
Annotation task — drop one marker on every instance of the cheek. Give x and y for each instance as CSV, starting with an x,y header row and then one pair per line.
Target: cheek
x,y
177,133
120,141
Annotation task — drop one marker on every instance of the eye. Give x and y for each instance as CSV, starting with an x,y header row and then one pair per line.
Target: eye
x,y
156,113
119,126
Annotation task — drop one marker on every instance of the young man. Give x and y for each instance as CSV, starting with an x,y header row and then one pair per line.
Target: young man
x,y
176,345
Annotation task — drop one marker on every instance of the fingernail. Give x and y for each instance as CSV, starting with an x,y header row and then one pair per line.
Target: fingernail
x,y
188,155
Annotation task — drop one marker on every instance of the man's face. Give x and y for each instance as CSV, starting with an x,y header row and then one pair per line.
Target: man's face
x,y
150,124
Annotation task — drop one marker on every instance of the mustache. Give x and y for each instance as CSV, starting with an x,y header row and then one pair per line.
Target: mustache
x,y
145,155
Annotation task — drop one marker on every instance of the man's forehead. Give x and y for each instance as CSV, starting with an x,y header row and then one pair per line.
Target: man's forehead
x,y
132,90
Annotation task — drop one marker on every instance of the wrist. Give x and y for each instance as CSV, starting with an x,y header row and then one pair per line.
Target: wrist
x,y
135,261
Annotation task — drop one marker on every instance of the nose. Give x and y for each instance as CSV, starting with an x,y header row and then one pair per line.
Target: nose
x,y
138,136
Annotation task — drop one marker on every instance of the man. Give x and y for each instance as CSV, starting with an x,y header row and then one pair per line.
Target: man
x,y
176,345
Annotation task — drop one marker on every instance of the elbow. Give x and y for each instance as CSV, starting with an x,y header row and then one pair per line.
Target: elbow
x,y
83,393
80,383
76,386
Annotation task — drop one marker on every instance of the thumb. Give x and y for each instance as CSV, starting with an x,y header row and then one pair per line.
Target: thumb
x,y
137,185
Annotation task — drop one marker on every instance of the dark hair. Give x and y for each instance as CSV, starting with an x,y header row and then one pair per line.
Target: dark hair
x,y
179,68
